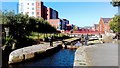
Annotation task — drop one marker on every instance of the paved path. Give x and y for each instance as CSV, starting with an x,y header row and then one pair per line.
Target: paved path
x,y
97,55
102,54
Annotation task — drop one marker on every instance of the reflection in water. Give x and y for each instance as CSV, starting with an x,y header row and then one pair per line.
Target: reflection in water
x,y
65,57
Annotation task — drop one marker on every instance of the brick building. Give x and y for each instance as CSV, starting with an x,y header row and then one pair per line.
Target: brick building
x,y
32,8
52,14
36,8
55,22
63,24
95,27
52,18
69,26
104,25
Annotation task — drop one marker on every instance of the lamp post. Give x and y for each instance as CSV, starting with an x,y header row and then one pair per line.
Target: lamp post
x,y
6,32
116,3
37,28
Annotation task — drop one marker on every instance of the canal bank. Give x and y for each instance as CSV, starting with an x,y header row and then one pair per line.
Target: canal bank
x,y
81,57
62,58
105,54
33,51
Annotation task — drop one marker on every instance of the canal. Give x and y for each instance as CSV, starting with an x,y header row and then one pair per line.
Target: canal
x,y
63,57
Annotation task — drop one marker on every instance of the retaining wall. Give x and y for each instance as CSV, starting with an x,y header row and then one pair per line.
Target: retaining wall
x,y
30,52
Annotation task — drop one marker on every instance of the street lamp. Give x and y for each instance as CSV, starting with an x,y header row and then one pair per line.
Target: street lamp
x,y
7,31
37,28
116,3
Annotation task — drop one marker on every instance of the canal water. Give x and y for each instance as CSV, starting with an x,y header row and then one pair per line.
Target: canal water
x,y
64,57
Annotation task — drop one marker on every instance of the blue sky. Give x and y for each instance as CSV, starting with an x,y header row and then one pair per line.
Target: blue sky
x,y
78,13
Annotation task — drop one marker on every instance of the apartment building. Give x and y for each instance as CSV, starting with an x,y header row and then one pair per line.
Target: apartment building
x,y
52,14
32,8
52,18
36,8
69,26
95,27
63,24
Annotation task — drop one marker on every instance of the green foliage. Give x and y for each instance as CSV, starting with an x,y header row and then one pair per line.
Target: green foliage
x,y
20,26
115,24
34,35
75,28
8,41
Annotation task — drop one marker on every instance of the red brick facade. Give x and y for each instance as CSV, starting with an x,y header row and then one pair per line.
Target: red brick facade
x,y
104,25
39,9
52,14
55,22
47,14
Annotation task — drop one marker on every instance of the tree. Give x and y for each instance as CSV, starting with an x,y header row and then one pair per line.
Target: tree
x,y
6,19
75,28
115,24
20,26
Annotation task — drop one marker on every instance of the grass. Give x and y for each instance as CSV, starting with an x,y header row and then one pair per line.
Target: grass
x,y
35,35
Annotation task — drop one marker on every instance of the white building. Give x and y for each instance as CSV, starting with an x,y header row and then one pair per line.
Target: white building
x,y
27,7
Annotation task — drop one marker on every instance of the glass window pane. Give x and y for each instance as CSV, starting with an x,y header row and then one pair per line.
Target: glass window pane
x,y
32,3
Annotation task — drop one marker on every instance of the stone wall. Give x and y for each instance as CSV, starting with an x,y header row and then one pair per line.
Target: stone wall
x,y
30,52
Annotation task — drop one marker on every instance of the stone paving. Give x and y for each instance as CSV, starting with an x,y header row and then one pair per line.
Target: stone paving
x,y
97,55
103,54
80,57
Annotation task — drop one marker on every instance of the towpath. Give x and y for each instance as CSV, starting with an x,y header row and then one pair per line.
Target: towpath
x,y
105,54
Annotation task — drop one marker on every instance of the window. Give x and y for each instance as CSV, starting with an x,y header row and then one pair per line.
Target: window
x,y
32,3
38,4
21,9
105,28
27,12
38,16
27,3
27,8
37,12
38,8
32,8
32,13
52,22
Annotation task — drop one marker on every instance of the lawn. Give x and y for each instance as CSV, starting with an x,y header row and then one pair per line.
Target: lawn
x,y
35,35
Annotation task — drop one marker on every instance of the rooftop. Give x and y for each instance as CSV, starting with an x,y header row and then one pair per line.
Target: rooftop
x,y
106,20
